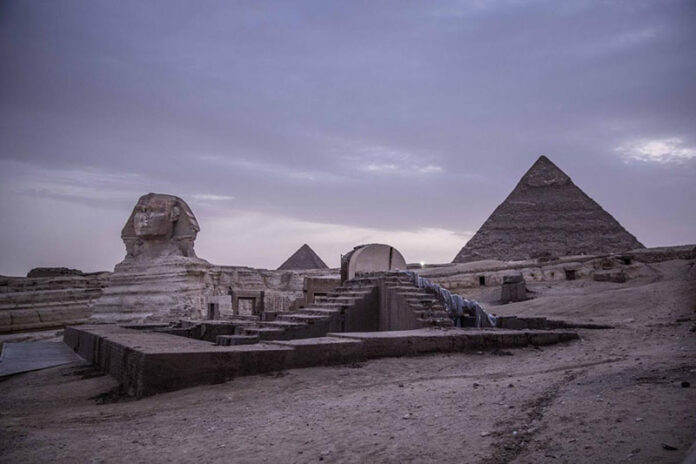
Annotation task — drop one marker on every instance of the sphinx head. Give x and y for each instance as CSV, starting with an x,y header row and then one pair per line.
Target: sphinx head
x,y
160,225
155,216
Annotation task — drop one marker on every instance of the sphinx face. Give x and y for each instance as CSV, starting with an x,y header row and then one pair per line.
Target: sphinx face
x,y
155,218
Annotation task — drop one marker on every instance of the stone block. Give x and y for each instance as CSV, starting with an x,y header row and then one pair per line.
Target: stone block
x,y
513,289
324,351
146,363
610,276
513,278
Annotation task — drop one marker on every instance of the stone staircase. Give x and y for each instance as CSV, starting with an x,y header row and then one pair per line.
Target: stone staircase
x,y
370,302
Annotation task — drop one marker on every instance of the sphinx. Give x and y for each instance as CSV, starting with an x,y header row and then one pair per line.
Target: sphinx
x,y
160,278
160,225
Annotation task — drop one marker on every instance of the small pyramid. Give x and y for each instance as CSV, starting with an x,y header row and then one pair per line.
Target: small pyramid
x,y
304,258
546,214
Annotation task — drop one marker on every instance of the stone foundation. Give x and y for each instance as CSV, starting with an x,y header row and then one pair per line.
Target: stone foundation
x,y
147,363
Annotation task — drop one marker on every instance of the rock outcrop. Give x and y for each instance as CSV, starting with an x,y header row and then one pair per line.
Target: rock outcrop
x,y
54,272
546,215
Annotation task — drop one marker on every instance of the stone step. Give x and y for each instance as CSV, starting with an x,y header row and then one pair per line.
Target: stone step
x,y
423,307
420,299
282,324
349,286
407,289
261,331
330,305
335,302
269,333
319,311
351,295
345,299
309,318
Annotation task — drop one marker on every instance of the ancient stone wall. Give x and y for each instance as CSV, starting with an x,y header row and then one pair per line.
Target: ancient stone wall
x,y
42,303
281,288
462,278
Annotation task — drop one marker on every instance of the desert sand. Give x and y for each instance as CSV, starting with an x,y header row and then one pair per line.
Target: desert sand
x,y
626,394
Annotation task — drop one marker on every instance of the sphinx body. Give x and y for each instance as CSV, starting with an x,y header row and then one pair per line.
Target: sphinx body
x,y
160,278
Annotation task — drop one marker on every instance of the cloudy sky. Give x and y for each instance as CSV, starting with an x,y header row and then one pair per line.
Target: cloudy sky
x,y
335,123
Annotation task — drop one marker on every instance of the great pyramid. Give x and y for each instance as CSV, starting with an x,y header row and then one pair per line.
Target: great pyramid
x,y
546,214
304,258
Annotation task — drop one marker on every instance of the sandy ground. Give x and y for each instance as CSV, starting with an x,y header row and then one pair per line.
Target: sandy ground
x,y
614,396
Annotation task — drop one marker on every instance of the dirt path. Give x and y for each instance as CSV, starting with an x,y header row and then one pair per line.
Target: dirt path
x,y
614,396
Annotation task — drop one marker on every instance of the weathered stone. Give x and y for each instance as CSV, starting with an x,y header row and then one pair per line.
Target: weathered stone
x,y
160,278
160,225
659,254
40,303
161,289
54,272
514,288
610,276
513,278
147,363
371,258
546,215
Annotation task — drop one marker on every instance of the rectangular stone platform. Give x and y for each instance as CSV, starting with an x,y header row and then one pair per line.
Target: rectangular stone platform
x,y
146,363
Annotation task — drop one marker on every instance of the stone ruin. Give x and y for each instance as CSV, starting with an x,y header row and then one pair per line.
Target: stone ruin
x,y
162,279
514,288
378,310
180,320
168,319
371,258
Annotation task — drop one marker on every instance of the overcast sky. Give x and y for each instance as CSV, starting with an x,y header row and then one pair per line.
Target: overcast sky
x,y
335,123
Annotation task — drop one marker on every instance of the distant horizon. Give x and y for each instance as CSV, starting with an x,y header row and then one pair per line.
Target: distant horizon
x,y
335,124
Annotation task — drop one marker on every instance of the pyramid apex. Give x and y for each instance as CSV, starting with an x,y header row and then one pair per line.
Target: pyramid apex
x,y
544,173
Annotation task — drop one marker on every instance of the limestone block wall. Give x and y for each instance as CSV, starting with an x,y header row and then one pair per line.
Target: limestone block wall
x,y
42,303
459,278
395,312
281,288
